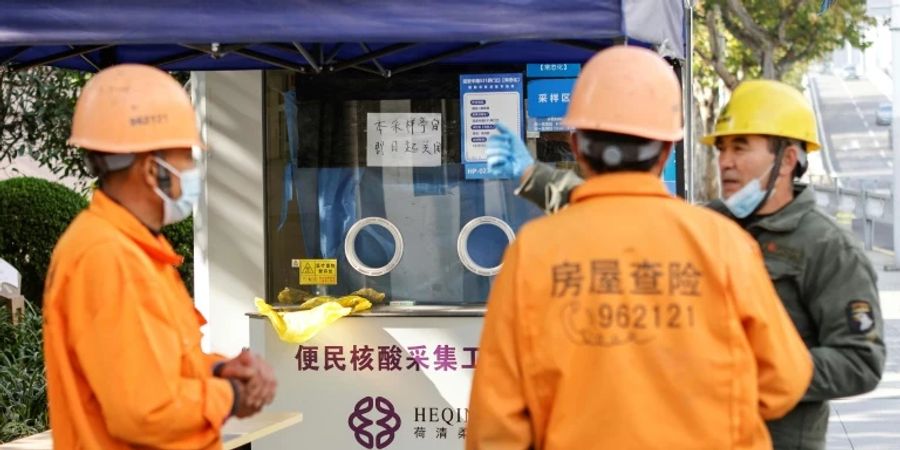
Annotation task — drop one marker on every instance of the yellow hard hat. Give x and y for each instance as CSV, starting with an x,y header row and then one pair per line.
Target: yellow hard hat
x,y
133,108
767,107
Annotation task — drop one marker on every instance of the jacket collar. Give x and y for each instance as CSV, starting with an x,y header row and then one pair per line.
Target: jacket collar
x,y
157,247
618,184
788,218
784,220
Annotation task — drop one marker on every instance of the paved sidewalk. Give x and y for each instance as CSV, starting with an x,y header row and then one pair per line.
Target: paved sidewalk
x,y
872,421
881,80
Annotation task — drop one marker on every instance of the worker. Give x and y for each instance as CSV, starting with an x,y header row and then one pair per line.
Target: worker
x,y
820,271
632,320
122,337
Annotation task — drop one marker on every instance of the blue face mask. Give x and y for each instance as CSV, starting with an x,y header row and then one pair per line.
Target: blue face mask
x,y
743,202
176,210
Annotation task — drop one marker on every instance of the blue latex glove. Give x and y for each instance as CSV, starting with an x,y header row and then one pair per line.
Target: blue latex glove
x,y
507,155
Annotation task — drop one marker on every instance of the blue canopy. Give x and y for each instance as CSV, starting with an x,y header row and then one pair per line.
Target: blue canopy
x,y
382,36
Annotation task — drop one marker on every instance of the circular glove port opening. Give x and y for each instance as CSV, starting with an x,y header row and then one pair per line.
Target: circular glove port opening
x,y
481,245
373,246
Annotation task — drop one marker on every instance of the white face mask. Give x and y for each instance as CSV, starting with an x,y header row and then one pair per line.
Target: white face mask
x,y
176,210
743,202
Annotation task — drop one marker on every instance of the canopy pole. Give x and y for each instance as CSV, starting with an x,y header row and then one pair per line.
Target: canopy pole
x,y
688,103
262,57
87,60
445,55
18,51
389,50
77,51
191,54
334,53
384,73
308,57
271,60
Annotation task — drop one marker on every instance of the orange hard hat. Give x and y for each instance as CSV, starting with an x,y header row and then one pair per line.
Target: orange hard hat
x,y
133,108
627,90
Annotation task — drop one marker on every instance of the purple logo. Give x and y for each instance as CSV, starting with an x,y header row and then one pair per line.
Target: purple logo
x,y
388,422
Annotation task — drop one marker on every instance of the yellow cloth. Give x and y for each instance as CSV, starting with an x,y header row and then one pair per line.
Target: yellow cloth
x,y
355,302
298,327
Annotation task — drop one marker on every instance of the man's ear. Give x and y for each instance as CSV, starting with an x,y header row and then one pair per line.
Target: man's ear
x,y
664,153
573,145
789,160
147,170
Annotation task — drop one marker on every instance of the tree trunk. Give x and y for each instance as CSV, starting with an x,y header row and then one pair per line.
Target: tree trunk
x,y
767,59
4,106
706,169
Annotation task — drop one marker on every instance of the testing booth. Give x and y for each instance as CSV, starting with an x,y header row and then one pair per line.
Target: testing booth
x,y
346,151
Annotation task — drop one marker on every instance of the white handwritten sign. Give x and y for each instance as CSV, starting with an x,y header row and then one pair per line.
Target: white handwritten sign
x,y
403,139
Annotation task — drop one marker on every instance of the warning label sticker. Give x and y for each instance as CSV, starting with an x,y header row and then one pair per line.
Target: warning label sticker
x,y
318,271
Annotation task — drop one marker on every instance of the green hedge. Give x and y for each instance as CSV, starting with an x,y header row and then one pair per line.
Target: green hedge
x,y
181,236
33,215
23,385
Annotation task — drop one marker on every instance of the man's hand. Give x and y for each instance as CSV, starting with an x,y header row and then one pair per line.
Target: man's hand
x,y
255,379
507,155
244,407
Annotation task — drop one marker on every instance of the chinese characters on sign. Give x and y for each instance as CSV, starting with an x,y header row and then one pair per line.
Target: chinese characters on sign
x,y
403,140
385,358
549,98
553,70
446,423
318,271
486,99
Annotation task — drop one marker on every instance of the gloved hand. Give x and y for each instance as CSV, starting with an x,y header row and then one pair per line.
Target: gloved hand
x,y
507,155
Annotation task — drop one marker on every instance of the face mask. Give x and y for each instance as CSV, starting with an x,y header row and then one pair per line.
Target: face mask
x,y
179,209
743,202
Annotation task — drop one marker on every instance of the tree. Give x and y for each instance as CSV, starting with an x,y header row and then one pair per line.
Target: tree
x,y
36,108
773,39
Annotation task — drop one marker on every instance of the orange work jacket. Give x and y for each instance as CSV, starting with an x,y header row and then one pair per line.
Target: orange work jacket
x,y
632,320
122,341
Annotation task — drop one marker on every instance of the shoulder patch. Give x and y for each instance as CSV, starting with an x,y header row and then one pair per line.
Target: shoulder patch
x,y
860,318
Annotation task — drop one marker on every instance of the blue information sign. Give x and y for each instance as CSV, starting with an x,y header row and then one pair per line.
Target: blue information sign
x,y
670,175
553,70
486,99
549,98
545,124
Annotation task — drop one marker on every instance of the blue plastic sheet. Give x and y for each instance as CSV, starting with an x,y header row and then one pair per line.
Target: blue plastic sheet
x,y
142,32
48,22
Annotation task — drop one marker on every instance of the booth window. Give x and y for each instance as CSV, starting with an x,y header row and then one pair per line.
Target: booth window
x,y
335,189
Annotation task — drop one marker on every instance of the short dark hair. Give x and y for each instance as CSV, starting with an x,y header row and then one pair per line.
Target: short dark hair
x,y
778,142
594,144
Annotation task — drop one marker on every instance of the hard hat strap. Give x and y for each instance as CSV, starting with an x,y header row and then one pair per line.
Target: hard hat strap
x,y
779,144
802,160
100,164
163,177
